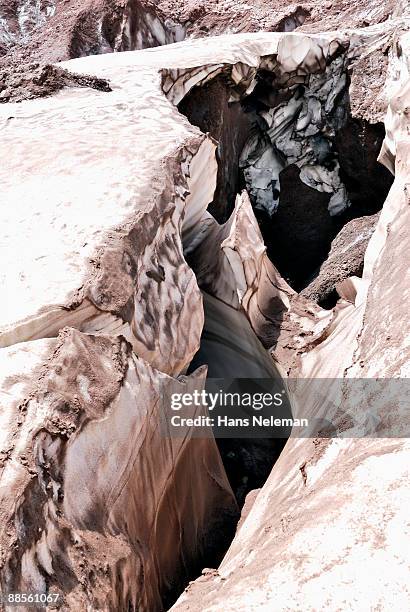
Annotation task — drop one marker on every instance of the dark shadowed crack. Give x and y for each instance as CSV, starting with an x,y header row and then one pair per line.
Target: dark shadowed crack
x,y
337,156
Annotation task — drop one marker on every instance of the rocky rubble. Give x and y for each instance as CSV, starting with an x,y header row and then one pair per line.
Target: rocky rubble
x,y
345,259
40,81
